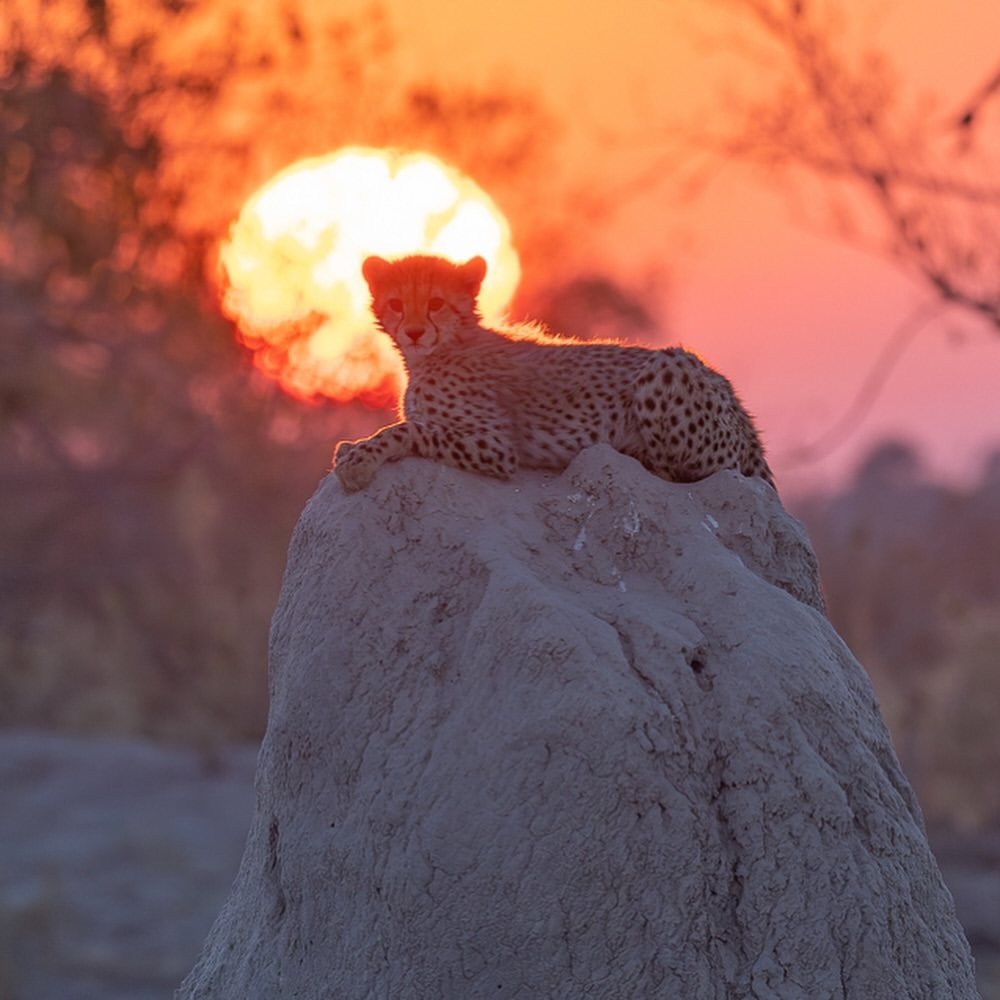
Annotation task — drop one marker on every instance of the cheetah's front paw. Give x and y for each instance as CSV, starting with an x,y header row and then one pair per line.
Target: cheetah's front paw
x,y
353,467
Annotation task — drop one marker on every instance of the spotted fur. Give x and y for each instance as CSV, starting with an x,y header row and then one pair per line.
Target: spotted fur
x,y
491,401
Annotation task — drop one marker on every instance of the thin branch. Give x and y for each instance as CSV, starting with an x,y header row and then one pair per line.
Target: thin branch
x,y
871,387
978,100
854,140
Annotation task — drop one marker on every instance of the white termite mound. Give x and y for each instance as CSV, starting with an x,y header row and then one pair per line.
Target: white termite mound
x,y
586,735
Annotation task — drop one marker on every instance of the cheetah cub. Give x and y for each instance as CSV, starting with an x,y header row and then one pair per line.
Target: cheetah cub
x,y
489,401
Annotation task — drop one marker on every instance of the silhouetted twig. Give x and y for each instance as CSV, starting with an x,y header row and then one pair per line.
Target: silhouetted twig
x,y
878,374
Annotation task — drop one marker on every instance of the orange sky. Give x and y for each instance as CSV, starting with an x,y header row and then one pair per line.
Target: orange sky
x,y
793,317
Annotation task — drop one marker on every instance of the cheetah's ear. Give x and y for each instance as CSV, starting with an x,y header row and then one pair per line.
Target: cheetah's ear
x,y
375,270
472,273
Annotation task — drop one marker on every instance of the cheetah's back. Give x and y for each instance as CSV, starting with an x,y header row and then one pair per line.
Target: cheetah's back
x,y
665,408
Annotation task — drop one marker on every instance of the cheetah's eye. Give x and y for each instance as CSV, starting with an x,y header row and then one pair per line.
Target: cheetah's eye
x,y
396,305
435,303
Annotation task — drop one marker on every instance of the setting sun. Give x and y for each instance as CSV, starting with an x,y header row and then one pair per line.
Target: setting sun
x,y
291,265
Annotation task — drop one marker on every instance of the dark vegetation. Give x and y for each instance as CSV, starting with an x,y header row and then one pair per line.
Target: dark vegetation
x,y
911,573
905,176
150,478
913,178
910,566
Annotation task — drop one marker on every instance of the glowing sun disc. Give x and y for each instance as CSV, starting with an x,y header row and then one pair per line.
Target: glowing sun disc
x,y
290,269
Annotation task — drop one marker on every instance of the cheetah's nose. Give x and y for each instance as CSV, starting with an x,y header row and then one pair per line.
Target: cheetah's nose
x,y
414,333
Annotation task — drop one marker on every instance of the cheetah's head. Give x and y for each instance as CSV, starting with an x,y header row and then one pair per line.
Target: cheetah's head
x,y
422,301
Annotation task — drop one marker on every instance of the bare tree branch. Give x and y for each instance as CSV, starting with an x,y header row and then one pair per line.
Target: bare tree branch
x,y
978,100
871,387
836,117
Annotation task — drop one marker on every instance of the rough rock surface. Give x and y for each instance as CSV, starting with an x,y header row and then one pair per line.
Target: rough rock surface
x,y
586,735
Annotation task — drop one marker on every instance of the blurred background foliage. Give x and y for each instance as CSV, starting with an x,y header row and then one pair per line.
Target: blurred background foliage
x,y
150,477
912,581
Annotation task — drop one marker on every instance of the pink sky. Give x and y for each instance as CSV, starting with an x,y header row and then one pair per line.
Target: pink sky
x,y
794,318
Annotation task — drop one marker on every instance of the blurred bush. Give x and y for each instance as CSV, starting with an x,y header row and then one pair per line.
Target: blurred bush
x,y
912,579
149,476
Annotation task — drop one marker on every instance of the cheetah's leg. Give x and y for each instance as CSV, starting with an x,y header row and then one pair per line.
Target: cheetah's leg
x,y
356,462
478,443
481,442
691,421
464,426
